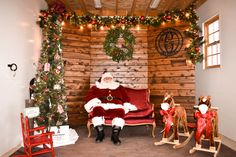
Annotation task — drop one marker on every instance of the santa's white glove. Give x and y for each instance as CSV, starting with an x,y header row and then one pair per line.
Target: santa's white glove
x,y
91,104
129,107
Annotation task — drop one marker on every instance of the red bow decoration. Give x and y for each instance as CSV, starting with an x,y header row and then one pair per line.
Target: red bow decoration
x,y
168,118
204,122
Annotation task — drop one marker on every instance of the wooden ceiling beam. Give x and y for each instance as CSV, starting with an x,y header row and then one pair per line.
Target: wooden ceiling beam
x,y
148,8
132,8
67,5
117,1
83,6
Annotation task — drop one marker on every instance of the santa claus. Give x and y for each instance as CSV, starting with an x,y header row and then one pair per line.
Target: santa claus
x,y
108,99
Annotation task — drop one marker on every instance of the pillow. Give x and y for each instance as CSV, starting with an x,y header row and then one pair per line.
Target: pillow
x,y
138,97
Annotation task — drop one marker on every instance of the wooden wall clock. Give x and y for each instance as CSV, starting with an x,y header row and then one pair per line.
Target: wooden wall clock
x,y
169,42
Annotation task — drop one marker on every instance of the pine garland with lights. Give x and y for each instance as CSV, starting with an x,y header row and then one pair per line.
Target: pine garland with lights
x,y
187,15
49,88
119,53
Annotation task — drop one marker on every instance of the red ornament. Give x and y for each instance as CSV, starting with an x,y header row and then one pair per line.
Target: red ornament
x,y
45,14
197,49
40,118
45,77
94,22
163,18
168,17
122,21
142,18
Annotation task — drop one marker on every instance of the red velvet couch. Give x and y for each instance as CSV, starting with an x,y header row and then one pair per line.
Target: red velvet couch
x,y
143,116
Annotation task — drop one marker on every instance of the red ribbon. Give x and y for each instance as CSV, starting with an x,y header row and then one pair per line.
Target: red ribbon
x,y
204,122
168,118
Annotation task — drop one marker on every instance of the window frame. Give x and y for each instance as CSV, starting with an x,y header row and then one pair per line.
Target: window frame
x,y
206,45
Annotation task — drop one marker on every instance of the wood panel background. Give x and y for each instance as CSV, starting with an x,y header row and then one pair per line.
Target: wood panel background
x,y
132,73
170,74
76,52
86,61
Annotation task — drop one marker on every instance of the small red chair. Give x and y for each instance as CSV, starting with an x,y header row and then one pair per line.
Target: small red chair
x,y
32,141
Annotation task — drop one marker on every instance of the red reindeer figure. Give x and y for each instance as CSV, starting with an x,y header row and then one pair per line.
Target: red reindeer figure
x,y
173,115
206,125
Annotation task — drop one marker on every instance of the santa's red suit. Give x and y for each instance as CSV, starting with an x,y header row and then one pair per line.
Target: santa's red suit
x,y
108,100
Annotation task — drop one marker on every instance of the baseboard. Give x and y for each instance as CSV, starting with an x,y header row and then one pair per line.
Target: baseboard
x,y
11,151
228,142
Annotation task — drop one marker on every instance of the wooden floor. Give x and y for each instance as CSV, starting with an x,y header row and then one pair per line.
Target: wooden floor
x,y
136,142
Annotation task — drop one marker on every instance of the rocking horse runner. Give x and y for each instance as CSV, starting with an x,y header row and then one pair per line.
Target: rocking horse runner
x,y
173,114
206,126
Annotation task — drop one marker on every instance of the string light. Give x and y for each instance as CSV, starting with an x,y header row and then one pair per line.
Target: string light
x,y
123,27
189,62
89,25
187,14
63,23
138,27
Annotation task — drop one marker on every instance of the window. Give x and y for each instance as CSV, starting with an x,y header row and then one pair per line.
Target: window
x,y
212,45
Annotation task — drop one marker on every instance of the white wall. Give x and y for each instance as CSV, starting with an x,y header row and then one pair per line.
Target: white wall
x,y
20,43
220,83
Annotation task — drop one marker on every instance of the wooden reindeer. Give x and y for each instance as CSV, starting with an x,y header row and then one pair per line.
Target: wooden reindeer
x,y
206,126
173,115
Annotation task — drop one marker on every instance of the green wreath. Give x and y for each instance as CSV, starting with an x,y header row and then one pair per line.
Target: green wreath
x,y
125,52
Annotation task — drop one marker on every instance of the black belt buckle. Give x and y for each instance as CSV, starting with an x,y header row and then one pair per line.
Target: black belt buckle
x,y
109,98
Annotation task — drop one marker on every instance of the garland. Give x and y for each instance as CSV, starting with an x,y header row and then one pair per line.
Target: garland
x,y
187,15
125,51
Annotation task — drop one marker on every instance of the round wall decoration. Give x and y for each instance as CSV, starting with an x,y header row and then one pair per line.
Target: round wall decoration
x,y
113,47
169,42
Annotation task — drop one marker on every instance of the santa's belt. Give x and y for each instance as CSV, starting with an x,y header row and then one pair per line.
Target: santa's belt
x,y
110,98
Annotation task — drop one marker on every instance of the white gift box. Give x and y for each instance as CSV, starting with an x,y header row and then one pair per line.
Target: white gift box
x,y
63,135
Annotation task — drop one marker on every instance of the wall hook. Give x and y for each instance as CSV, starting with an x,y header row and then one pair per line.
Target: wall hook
x,y
13,66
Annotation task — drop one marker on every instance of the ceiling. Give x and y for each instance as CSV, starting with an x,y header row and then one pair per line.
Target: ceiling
x,y
123,7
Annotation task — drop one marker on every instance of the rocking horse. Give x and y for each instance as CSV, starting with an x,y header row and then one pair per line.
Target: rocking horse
x,y
206,126
173,115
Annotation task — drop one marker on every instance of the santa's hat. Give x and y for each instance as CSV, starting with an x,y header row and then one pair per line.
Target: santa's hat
x,y
107,74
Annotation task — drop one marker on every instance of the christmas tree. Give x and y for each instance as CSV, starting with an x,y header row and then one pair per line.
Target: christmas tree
x,y
49,88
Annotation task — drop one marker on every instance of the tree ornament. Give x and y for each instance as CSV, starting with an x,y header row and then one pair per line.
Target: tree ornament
x,y
56,57
60,109
168,17
46,66
57,87
125,50
94,22
122,21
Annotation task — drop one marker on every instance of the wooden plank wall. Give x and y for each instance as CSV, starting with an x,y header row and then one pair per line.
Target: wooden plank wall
x,y
132,73
76,52
86,61
170,74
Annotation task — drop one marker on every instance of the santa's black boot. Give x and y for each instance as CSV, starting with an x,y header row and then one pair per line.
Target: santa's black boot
x,y
100,133
115,135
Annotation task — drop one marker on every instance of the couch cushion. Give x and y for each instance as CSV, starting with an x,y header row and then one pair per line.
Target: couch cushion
x,y
139,113
139,98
